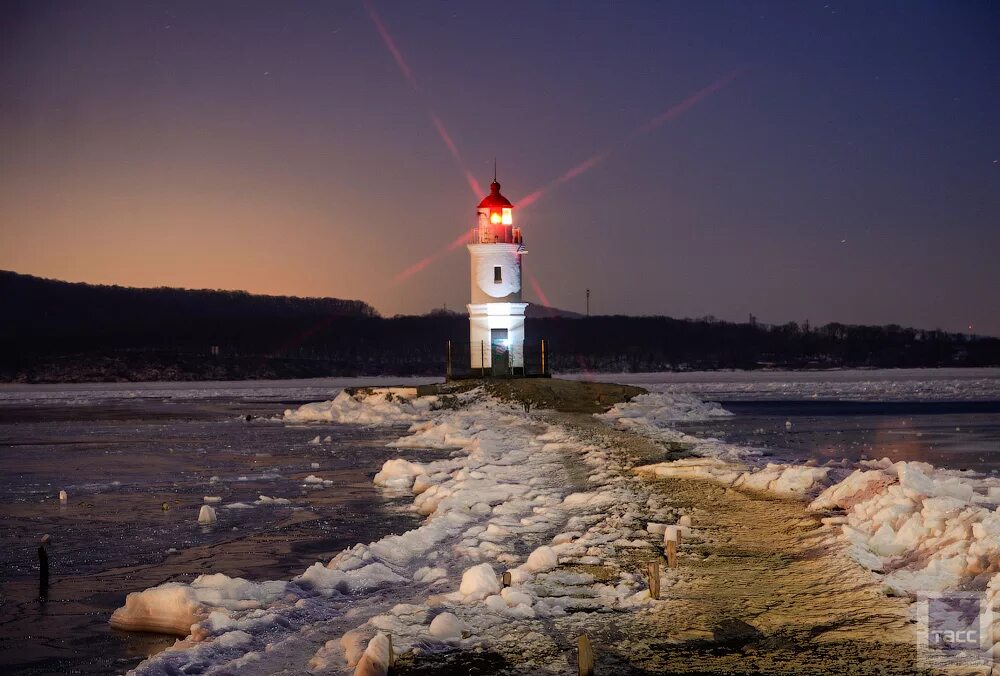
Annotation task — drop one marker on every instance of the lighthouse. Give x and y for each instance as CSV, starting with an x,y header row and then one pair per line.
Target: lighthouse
x,y
496,313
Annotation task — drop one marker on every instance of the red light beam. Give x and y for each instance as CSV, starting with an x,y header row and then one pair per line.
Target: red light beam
x,y
670,113
538,291
690,102
408,272
453,149
390,44
404,68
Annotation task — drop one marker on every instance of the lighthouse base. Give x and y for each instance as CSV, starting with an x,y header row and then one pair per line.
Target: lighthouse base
x,y
496,337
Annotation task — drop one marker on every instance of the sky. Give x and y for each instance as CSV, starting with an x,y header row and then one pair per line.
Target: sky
x,y
820,161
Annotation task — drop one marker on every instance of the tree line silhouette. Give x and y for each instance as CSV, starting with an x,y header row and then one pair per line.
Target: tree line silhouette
x,y
60,331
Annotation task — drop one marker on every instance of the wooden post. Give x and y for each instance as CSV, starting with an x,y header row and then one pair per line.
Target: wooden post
x,y
671,553
585,656
505,578
392,655
543,357
448,371
482,358
653,578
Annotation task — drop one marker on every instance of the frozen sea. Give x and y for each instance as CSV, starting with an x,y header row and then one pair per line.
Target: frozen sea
x,y
947,417
122,451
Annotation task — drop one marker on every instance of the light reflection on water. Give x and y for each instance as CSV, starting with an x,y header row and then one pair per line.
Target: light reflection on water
x,y
951,435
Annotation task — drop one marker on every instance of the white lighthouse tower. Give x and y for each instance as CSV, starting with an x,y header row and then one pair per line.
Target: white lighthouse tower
x,y
496,313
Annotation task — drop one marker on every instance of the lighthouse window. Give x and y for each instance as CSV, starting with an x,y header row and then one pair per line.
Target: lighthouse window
x,y
495,218
508,216
497,277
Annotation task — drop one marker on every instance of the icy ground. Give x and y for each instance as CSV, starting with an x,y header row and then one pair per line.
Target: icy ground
x,y
946,384
567,518
925,530
516,495
89,393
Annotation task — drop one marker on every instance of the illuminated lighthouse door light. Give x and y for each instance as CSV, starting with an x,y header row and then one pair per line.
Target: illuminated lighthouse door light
x,y
496,313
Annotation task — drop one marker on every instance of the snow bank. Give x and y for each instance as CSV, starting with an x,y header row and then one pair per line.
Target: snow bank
x,y
172,608
659,409
928,529
504,491
377,406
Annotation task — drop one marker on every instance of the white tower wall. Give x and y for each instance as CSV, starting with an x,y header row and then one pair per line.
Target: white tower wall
x,y
496,313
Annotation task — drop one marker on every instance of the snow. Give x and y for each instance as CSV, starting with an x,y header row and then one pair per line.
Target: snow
x,y
659,409
366,578
172,607
384,406
489,507
502,494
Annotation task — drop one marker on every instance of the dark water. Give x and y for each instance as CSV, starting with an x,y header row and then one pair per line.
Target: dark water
x,y
954,435
121,462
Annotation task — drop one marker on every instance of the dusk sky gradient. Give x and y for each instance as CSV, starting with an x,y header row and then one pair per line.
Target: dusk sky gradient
x,y
826,161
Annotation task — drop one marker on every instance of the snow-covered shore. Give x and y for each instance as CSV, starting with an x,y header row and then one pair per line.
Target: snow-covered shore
x,y
511,497
925,530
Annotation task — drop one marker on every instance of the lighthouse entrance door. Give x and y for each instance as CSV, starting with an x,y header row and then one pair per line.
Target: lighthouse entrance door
x,y
500,352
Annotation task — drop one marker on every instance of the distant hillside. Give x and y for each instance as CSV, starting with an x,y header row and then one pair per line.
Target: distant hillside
x,y
51,303
535,311
55,331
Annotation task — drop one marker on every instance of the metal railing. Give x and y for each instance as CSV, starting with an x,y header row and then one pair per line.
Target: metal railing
x,y
485,360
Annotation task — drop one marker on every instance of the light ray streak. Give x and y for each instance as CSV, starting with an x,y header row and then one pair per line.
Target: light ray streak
x,y
670,113
390,44
427,260
404,68
538,290
594,160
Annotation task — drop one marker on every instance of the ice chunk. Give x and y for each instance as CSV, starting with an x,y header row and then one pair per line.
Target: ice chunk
x,y
314,441
479,581
377,657
446,627
170,608
541,560
398,473
206,515
63,497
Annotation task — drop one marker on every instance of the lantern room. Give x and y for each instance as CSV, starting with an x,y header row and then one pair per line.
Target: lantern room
x,y
496,219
